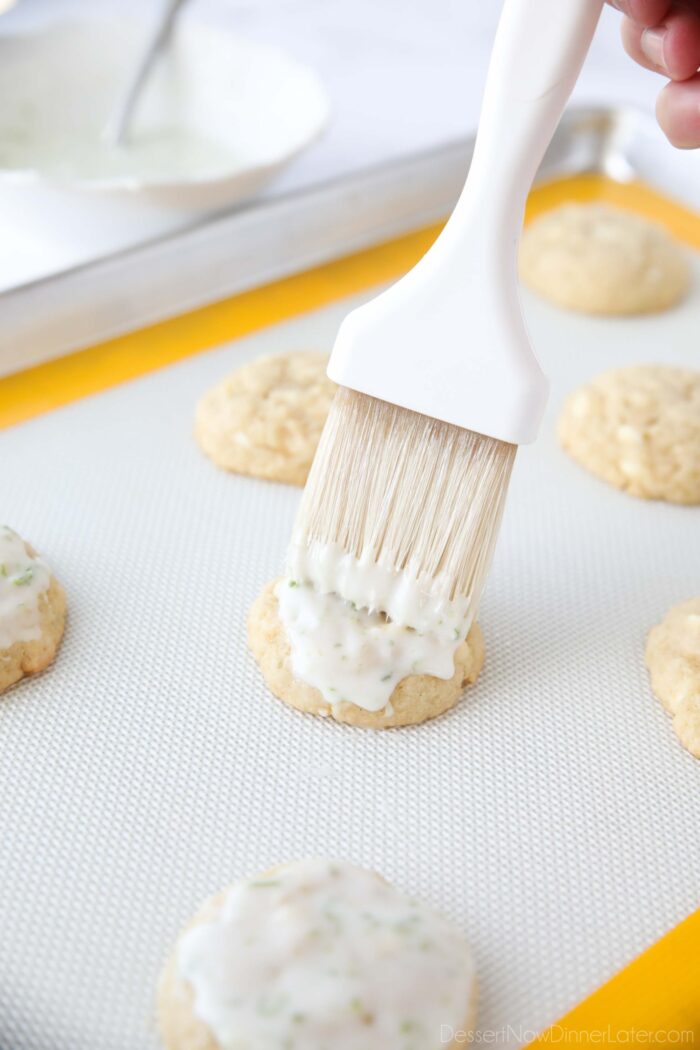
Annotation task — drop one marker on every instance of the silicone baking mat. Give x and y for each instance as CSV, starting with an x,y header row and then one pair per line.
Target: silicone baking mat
x,y
552,814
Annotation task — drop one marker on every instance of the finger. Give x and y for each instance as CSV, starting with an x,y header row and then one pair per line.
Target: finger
x,y
678,112
643,12
672,49
631,34
676,44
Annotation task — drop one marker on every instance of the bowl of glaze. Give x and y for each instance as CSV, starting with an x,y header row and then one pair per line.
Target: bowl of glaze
x,y
219,116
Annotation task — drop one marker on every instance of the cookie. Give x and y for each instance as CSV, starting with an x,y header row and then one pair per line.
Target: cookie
x,y
32,610
312,955
412,699
266,418
673,660
601,260
638,428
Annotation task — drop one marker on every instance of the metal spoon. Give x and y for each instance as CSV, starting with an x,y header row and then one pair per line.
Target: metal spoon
x,y
117,127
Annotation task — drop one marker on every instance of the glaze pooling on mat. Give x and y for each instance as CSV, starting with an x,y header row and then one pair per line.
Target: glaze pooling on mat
x,y
387,625
23,578
317,954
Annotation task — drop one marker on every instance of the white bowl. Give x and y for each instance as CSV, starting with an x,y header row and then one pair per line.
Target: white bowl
x,y
219,116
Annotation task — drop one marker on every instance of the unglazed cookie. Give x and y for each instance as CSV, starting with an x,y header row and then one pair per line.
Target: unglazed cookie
x,y
673,659
408,697
32,610
316,955
639,429
602,260
266,418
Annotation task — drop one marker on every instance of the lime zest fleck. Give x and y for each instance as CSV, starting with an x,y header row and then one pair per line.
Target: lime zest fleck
x,y
358,1007
407,925
24,578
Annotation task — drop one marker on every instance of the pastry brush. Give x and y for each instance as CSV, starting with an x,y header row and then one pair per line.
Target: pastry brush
x,y
438,383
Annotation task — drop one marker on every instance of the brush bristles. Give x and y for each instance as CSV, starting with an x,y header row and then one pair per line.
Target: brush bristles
x,y
407,491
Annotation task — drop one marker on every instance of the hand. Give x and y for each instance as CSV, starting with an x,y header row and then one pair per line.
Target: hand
x,y
664,35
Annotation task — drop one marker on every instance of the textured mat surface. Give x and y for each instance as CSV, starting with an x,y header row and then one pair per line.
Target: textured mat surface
x,y
552,814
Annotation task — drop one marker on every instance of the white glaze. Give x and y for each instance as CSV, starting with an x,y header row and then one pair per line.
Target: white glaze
x,y
22,580
351,654
318,955
356,628
175,152
407,598
215,108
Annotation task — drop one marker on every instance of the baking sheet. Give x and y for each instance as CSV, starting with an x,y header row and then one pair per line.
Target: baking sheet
x,y
552,814
296,230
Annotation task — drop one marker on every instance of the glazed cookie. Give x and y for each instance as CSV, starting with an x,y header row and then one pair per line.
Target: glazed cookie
x,y
266,418
32,610
638,428
673,659
313,955
602,260
396,676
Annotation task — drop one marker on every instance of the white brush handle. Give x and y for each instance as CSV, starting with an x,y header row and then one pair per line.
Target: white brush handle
x,y
537,55
448,340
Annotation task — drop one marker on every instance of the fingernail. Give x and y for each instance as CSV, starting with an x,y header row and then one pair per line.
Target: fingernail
x,y
652,44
